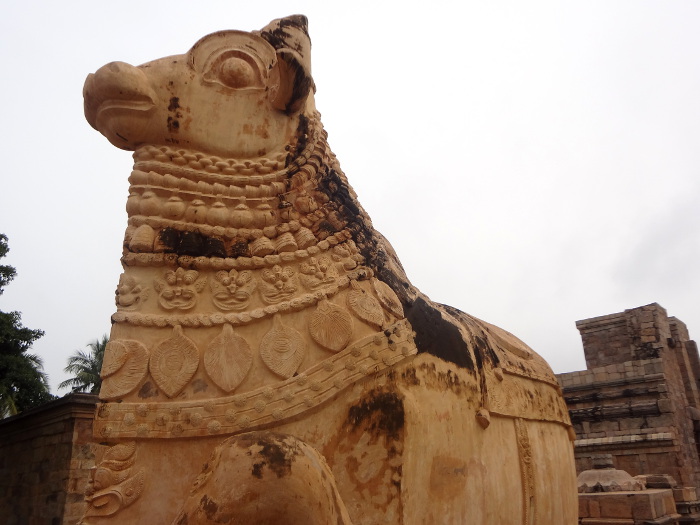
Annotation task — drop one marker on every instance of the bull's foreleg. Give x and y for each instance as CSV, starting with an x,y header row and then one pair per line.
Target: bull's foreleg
x,y
264,478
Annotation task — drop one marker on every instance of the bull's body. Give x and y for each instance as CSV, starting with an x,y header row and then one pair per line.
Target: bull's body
x,y
265,330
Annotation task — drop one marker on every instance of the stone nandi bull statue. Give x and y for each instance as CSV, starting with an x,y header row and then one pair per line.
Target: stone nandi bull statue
x,y
269,361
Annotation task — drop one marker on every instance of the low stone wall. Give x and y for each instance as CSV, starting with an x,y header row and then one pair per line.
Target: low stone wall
x,y
647,507
45,459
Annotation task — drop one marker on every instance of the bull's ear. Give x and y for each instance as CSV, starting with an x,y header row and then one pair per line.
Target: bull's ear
x,y
290,38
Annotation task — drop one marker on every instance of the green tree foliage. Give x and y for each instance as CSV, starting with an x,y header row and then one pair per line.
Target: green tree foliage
x,y
85,367
23,383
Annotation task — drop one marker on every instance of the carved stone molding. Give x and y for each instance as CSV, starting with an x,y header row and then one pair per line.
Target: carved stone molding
x,y
527,471
289,398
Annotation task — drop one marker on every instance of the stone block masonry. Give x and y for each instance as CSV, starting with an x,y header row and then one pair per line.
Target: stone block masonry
x,y
638,400
46,455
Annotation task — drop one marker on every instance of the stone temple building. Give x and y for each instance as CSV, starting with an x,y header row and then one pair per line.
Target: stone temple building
x,y
638,402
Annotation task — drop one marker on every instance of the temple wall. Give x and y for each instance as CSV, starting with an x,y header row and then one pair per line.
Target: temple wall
x,y
638,399
45,459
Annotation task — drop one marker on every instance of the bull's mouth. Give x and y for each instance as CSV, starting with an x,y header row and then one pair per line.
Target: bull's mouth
x,y
116,108
144,104
116,90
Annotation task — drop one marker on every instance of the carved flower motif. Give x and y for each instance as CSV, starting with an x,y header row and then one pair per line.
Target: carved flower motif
x,y
316,273
130,293
347,255
278,284
178,289
232,290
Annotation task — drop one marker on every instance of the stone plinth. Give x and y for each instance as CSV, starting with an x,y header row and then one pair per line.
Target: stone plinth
x,y
647,507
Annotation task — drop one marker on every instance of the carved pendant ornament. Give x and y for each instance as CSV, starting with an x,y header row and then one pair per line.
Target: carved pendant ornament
x,y
228,359
174,362
331,326
282,348
252,409
124,366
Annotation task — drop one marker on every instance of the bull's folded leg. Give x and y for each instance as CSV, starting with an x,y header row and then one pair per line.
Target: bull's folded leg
x,y
264,478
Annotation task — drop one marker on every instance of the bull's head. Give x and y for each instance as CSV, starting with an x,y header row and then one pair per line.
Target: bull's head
x,y
234,94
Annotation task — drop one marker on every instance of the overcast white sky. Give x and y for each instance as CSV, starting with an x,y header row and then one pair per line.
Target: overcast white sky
x,y
533,163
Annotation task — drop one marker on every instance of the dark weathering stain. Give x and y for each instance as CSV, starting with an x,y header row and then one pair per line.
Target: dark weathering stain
x,y
174,104
436,336
199,385
147,390
274,453
196,244
280,38
208,506
277,458
173,125
483,350
380,413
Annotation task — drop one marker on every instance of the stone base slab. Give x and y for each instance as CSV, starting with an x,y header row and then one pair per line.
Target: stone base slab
x,y
655,506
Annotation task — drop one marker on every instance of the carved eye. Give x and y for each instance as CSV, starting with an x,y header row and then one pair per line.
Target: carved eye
x,y
237,73
234,69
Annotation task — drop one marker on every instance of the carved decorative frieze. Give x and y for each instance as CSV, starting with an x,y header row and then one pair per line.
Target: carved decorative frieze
x,y
228,359
277,284
232,290
115,484
387,297
520,395
331,326
124,366
527,471
317,272
241,262
250,410
365,306
282,348
174,362
179,289
130,293
298,303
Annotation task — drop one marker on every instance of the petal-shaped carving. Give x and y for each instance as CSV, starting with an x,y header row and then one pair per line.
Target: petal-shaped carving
x,y
388,297
174,362
364,306
125,365
331,326
228,359
120,452
282,348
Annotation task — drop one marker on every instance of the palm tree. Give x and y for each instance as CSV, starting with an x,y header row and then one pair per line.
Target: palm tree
x,y
85,367
23,383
